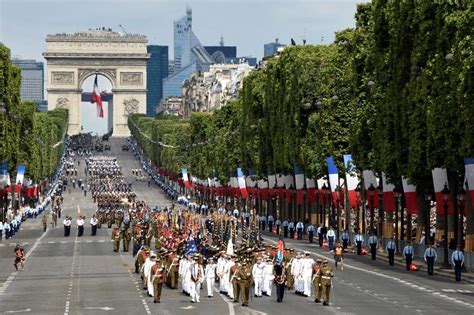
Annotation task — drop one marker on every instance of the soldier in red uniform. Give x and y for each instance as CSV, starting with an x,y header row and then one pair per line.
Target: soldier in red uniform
x,y
158,274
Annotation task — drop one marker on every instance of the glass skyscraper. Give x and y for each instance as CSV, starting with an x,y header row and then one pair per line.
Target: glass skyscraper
x,y
32,82
157,71
189,56
271,49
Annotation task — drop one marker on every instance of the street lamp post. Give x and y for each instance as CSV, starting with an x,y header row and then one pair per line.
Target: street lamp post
x,y
381,213
358,190
397,192
371,190
461,200
338,209
446,193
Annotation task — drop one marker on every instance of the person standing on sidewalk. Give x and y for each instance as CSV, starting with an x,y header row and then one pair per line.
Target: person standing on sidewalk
x,y
430,257
373,243
458,260
285,228
270,223
391,246
331,237
299,229
345,239
291,228
278,225
408,254
310,231
358,240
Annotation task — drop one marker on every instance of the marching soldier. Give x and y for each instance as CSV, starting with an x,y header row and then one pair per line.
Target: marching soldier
x,y
244,276
280,279
318,290
44,220
116,238
210,276
326,275
159,276
172,272
234,281
127,237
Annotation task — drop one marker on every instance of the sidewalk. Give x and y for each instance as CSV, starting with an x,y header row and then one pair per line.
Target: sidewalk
x,y
383,256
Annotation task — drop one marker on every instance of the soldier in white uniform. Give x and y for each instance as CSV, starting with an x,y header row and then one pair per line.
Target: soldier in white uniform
x,y
221,262
197,277
257,274
210,275
307,272
149,262
268,277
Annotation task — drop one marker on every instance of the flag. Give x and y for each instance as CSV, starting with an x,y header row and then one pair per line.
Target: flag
x,y
96,98
333,177
20,175
230,247
351,179
411,202
388,195
311,190
4,176
469,165
440,178
190,247
242,187
280,250
370,179
185,178
299,183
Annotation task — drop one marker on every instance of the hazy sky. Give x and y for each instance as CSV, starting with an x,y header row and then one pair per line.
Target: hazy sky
x,y
247,24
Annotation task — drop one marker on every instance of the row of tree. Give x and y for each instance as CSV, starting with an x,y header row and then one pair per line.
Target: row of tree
x,y
28,137
396,91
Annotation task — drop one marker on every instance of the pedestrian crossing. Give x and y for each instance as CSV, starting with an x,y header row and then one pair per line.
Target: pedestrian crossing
x,y
456,291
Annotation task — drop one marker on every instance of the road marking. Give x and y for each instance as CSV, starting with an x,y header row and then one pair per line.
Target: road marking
x,y
229,304
188,307
19,311
105,308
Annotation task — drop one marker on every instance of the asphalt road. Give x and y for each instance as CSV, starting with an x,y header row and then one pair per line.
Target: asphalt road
x,y
84,276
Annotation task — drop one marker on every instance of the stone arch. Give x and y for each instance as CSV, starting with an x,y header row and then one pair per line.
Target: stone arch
x,y
121,58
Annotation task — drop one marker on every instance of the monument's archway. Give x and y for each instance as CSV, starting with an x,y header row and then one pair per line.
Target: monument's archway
x,y
73,57
90,121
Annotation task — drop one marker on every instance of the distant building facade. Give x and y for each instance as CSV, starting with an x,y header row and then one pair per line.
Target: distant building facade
x,y
271,49
32,82
210,90
221,54
157,71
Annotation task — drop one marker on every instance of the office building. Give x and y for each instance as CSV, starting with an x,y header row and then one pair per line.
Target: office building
x,y
221,54
157,71
32,81
189,56
271,49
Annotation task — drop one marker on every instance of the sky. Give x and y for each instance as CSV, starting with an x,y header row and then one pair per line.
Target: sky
x,y
247,24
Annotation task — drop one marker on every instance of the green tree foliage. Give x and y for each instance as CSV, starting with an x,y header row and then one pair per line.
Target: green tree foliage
x,y
27,137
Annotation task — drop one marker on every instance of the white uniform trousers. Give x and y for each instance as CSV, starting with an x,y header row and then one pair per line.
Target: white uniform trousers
x,y
258,286
210,286
195,291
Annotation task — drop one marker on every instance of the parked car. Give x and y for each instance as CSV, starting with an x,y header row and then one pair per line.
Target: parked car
x,y
125,147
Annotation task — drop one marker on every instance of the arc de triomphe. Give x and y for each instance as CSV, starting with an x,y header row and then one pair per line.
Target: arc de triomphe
x,y
73,57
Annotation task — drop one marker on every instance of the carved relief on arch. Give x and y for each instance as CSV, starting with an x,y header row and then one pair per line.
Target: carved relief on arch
x,y
62,102
131,106
109,73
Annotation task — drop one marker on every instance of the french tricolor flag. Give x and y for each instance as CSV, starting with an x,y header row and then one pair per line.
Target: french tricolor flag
x,y
469,165
299,183
411,201
311,190
440,178
388,195
242,187
351,179
96,98
333,177
370,179
185,178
